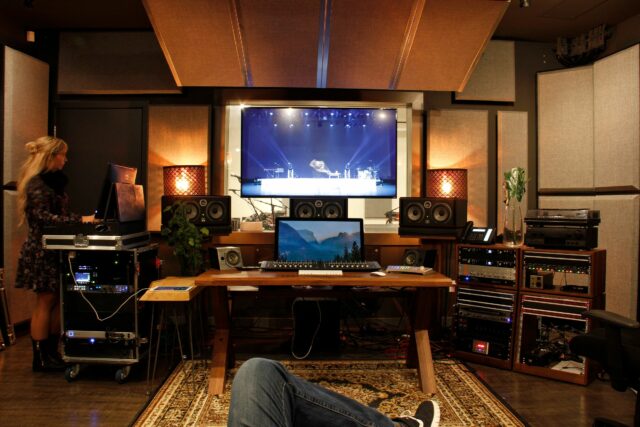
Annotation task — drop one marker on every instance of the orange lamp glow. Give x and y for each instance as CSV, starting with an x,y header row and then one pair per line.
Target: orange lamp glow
x,y
184,180
448,183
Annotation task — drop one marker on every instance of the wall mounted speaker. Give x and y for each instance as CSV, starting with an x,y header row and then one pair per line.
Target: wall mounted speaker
x,y
417,257
432,216
329,208
225,257
213,212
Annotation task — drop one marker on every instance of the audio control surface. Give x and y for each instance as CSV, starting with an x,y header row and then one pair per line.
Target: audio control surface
x,y
364,266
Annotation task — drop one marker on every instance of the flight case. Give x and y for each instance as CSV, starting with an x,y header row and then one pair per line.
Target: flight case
x,y
103,320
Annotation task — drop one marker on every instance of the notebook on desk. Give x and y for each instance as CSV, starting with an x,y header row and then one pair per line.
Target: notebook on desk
x,y
310,243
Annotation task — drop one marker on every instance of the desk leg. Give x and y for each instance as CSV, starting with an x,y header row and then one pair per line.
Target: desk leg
x,y
423,345
220,350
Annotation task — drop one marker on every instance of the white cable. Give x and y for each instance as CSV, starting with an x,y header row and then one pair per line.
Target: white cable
x,y
73,276
293,339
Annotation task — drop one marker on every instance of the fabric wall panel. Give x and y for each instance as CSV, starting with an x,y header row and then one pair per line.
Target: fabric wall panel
x,y
459,139
26,97
494,78
513,141
565,129
178,135
616,80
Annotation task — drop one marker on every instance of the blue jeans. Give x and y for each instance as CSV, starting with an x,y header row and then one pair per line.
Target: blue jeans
x,y
264,394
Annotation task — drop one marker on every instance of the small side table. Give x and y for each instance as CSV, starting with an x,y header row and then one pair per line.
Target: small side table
x,y
171,291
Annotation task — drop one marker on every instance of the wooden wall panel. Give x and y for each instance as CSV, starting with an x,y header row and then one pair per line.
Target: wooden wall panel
x,y
565,129
619,234
494,78
513,143
26,100
178,135
459,139
616,80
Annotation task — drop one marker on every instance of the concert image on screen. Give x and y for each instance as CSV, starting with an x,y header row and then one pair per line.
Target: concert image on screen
x,y
297,152
319,240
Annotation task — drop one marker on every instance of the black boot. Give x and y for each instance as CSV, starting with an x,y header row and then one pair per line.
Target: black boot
x,y
42,361
52,348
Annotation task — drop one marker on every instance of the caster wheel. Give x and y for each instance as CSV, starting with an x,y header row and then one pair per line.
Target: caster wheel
x,y
71,373
122,374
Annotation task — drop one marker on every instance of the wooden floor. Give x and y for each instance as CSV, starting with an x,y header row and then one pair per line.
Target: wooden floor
x,y
95,399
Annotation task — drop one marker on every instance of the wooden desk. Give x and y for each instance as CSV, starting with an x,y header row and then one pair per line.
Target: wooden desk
x,y
219,280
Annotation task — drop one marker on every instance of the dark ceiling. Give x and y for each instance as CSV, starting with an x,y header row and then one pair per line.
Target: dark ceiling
x,y
543,20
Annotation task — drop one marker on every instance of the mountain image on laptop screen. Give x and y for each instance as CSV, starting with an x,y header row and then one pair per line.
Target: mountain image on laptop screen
x,y
319,241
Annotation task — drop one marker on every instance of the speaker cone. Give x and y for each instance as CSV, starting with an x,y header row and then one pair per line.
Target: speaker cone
x,y
215,211
332,211
410,258
233,258
415,212
305,210
191,210
441,213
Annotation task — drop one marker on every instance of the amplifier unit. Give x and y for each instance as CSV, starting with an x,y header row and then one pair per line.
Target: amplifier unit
x,y
493,265
484,326
570,271
565,237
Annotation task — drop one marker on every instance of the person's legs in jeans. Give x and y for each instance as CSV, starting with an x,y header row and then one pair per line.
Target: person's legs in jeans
x,y
264,393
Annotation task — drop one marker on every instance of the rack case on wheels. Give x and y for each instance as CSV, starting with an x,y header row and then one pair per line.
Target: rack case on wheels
x,y
103,320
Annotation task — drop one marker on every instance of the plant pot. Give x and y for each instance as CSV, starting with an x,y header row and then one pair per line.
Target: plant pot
x,y
513,225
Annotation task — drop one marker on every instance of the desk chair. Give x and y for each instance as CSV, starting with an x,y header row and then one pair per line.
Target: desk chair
x,y
615,345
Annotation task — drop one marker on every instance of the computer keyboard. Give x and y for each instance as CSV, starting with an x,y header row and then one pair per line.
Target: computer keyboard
x,y
319,272
410,269
365,266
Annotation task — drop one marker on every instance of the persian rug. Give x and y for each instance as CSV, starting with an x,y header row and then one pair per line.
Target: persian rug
x,y
387,386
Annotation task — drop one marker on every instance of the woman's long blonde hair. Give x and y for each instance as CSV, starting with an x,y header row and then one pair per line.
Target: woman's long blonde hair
x,y
41,152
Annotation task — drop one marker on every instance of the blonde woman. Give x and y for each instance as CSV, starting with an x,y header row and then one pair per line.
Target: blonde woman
x,y
42,200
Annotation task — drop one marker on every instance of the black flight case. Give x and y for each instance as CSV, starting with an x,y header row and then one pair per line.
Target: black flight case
x,y
102,280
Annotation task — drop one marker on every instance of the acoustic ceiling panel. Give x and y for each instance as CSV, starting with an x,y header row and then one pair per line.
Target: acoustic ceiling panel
x,y
448,43
367,44
197,39
363,53
281,50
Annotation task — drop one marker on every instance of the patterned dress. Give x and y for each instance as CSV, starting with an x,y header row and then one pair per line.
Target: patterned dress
x,y
46,203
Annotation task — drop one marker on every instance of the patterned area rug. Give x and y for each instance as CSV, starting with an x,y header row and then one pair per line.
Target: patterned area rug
x,y
386,385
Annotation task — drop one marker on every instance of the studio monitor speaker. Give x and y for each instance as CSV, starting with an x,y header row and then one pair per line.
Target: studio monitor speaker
x,y
225,257
432,216
213,212
417,257
311,207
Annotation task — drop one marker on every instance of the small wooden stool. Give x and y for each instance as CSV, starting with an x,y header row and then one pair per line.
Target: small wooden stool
x,y
170,290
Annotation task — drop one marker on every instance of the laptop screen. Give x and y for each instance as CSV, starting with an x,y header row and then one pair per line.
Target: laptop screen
x,y
319,239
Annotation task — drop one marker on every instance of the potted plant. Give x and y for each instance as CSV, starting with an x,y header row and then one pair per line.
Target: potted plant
x,y
187,240
515,185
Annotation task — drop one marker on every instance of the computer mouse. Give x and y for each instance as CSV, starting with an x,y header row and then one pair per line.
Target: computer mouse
x,y
378,273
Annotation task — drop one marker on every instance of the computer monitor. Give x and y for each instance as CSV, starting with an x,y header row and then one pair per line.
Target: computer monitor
x,y
299,239
318,152
107,202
